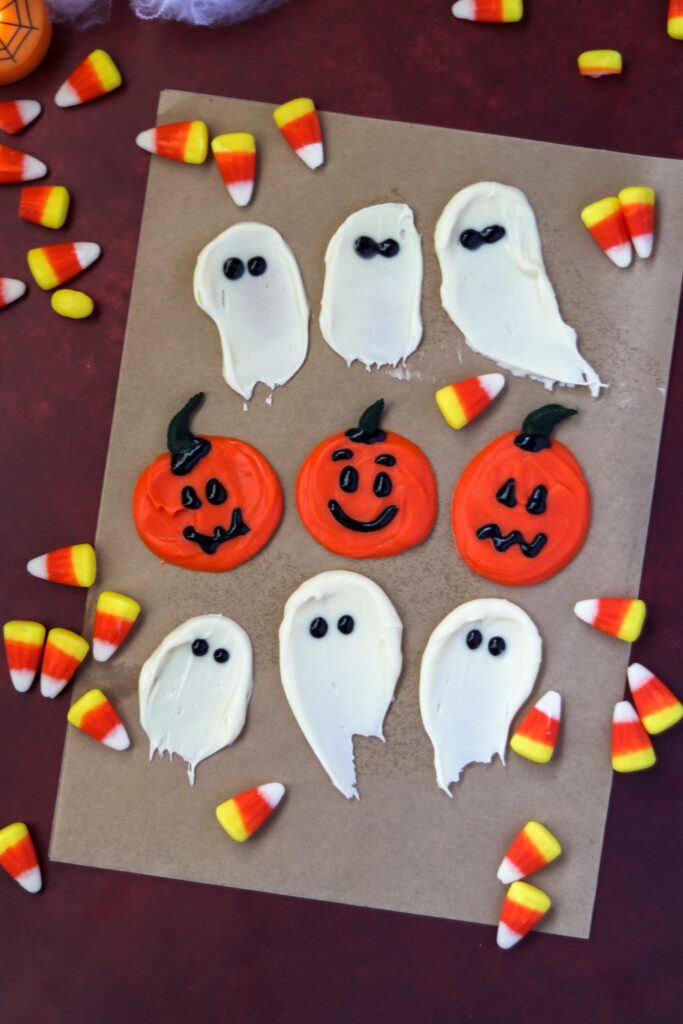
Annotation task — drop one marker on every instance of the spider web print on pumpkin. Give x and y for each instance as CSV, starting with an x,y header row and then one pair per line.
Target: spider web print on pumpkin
x,y
16,28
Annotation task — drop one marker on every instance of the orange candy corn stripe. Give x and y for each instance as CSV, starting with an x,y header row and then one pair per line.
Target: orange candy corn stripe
x,y
657,706
606,223
532,849
595,63
114,618
23,648
622,617
235,155
536,737
75,565
674,23
638,208
632,748
186,141
47,205
16,114
11,289
242,815
18,856
18,166
64,652
488,10
524,907
52,265
298,122
96,76
94,714
462,401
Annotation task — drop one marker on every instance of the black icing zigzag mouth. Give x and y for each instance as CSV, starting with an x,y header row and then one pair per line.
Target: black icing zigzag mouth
x,y
210,543
502,542
360,525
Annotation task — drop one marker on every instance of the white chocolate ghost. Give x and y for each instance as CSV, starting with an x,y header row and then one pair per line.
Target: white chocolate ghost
x,y
194,689
478,668
496,290
248,282
340,659
373,282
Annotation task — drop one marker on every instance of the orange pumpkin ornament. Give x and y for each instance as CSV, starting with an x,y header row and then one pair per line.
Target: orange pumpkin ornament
x,y
522,507
366,492
210,504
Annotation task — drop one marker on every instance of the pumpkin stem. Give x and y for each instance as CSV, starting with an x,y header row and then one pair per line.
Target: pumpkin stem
x,y
368,430
539,425
186,449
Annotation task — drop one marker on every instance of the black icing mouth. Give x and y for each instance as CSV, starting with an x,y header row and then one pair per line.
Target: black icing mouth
x,y
359,525
210,543
502,542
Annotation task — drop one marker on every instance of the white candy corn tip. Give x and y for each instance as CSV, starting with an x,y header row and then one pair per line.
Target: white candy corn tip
x,y
32,168
505,937
638,676
38,567
464,9
587,610
51,687
621,255
312,154
643,245
508,872
86,253
102,650
147,140
11,289
624,712
31,880
492,383
66,96
28,110
22,678
272,793
241,192
550,704
117,738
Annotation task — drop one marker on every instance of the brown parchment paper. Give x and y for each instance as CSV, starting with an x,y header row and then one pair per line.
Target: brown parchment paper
x,y
404,845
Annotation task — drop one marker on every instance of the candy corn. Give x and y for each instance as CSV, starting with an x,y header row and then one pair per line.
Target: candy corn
x,y
94,715
606,223
187,141
595,63
656,704
18,166
674,23
242,815
114,618
11,289
75,565
298,122
18,856
235,155
488,10
462,401
64,652
524,907
622,617
16,114
638,208
632,748
52,265
47,205
75,305
536,737
23,648
96,76
531,850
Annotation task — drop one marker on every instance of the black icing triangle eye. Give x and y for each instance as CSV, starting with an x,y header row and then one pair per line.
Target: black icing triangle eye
x,y
257,266
389,247
538,500
506,494
365,247
233,268
188,497
216,493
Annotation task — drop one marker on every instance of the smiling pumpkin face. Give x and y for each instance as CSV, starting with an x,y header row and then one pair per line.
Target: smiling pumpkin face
x,y
522,506
366,492
210,503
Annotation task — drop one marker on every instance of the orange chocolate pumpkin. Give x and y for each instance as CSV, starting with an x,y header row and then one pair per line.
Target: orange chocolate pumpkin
x,y
366,492
210,504
522,507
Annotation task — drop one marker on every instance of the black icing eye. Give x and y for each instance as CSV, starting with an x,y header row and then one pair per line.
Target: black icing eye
x,y
385,460
256,266
348,479
318,628
382,485
221,655
189,498
389,247
346,624
536,504
233,268
496,646
506,494
473,639
342,454
199,647
492,233
365,247
216,493
472,239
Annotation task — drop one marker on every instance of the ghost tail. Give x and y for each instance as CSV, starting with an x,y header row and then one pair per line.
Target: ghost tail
x,y
84,13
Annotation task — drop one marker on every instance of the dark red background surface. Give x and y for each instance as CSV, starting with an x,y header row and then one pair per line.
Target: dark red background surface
x,y
98,946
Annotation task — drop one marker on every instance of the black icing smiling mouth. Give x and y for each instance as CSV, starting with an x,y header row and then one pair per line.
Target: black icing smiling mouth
x,y
210,543
360,525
